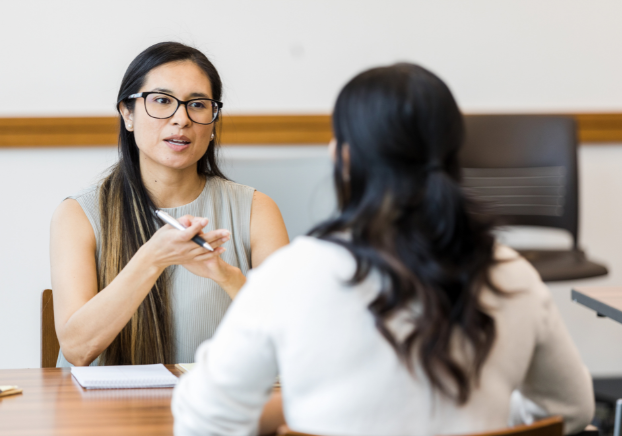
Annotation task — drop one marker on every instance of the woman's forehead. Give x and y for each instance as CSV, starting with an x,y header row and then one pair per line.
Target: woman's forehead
x,y
181,79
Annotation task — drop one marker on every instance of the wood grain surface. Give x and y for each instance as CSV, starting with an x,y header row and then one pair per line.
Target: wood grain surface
x,y
593,128
53,403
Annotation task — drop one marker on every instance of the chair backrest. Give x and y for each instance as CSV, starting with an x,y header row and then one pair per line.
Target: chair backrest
x,y
553,426
524,167
49,341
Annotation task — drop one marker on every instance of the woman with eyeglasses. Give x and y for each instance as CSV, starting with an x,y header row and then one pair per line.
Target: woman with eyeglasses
x,y
128,289
399,316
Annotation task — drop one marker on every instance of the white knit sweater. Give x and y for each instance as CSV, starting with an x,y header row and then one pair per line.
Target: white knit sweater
x,y
297,318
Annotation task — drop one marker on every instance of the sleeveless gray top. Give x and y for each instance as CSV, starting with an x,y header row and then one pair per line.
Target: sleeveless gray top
x,y
197,304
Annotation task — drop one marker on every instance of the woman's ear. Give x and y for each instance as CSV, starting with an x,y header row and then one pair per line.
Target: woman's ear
x,y
332,149
128,116
345,157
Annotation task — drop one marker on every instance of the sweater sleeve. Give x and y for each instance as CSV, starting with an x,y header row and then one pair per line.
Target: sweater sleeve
x,y
233,377
557,380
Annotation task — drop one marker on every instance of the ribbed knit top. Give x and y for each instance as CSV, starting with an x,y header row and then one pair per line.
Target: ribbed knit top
x,y
197,304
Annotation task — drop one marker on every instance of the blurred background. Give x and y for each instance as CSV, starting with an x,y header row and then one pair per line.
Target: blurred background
x,y
66,59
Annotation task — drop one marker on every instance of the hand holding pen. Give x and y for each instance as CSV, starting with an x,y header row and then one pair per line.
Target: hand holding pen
x,y
179,226
209,265
175,246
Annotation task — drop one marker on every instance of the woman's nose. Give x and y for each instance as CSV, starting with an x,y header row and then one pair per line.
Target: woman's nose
x,y
180,118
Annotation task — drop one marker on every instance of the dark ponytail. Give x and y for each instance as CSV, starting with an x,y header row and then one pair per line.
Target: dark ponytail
x,y
126,209
400,200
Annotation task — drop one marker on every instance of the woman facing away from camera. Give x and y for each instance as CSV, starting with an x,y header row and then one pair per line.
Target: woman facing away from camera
x,y
127,291
401,316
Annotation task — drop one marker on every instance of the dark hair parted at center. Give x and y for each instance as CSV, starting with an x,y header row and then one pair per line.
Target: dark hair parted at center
x,y
127,219
400,199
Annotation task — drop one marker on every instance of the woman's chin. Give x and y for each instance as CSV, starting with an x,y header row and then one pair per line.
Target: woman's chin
x,y
177,162
172,159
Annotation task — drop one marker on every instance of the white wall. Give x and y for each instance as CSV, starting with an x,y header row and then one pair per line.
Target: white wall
x,y
67,58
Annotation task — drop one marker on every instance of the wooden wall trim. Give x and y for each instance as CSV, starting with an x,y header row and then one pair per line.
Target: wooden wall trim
x,y
55,132
599,128
237,130
98,131
276,129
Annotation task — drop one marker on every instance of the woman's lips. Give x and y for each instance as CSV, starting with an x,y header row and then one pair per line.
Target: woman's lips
x,y
177,144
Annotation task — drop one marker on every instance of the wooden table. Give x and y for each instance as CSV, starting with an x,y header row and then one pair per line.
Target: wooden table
x,y
605,300
53,403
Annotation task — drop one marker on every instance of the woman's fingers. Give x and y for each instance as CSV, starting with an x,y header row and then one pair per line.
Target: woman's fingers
x,y
201,220
197,251
218,242
194,229
215,235
194,226
210,255
188,220
200,251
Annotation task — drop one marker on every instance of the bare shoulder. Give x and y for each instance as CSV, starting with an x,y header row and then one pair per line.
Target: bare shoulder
x,y
263,203
70,220
265,212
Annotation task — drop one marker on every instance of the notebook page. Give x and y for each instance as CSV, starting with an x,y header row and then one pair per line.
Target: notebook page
x,y
185,367
125,376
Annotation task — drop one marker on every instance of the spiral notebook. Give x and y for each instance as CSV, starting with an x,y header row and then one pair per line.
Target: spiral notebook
x,y
124,377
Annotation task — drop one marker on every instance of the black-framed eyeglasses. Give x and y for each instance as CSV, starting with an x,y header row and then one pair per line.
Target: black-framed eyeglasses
x,y
161,106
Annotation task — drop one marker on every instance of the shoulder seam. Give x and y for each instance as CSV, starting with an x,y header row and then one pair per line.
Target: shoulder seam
x,y
94,189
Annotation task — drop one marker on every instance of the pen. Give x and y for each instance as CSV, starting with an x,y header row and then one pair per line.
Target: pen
x,y
179,226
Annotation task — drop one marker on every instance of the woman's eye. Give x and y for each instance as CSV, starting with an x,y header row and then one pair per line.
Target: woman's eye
x,y
162,100
197,105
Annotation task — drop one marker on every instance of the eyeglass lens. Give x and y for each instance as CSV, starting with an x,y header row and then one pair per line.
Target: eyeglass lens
x,y
163,106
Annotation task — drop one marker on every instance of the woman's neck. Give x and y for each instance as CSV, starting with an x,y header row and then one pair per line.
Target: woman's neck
x,y
171,187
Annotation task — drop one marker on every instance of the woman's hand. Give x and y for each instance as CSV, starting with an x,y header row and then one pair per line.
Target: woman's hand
x,y
169,246
210,265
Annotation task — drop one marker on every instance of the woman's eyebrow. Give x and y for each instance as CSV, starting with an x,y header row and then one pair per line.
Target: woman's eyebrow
x,y
193,95
199,95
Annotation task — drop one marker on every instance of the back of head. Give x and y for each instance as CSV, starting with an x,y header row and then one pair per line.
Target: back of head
x,y
398,131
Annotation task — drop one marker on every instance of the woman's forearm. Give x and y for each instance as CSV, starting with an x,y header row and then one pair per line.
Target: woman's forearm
x,y
272,416
90,330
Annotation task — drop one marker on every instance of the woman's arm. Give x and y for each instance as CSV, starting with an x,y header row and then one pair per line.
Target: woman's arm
x,y
557,380
228,390
272,415
87,321
268,232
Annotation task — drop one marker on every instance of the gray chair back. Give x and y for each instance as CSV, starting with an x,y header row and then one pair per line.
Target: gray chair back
x,y
524,168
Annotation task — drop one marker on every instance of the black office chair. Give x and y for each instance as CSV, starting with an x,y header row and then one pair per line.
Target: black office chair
x,y
524,169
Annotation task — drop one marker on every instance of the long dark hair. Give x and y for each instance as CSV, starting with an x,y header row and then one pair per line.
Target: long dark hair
x,y
127,222
400,200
